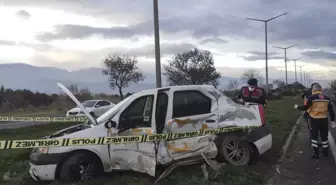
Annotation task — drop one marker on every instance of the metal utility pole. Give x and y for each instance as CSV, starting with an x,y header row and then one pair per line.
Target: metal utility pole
x,y
285,49
304,78
157,43
295,67
300,74
266,52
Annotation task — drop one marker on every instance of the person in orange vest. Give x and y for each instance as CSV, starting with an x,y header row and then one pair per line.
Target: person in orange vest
x,y
252,93
319,106
305,96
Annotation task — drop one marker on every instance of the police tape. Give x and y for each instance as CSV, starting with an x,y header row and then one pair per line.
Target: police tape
x,y
42,119
65,142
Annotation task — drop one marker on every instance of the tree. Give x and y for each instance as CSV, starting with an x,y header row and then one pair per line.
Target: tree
x,y
281,84
251,73
122,70
192,67
333,85
233,85
73,88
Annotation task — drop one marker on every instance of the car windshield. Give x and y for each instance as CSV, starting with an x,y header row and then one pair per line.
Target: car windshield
x,y
89,103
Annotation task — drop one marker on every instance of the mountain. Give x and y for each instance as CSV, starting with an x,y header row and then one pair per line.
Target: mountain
x,y
44,79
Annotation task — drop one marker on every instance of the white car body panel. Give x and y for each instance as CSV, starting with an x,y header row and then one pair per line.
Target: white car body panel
x,y
141,157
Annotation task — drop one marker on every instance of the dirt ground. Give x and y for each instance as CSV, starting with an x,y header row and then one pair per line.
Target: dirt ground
x,y
299,169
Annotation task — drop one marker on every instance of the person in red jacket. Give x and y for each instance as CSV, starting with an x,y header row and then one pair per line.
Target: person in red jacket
x,y
252,93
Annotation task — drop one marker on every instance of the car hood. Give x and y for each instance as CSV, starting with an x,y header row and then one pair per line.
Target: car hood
x,y
69,130
73,98
77,109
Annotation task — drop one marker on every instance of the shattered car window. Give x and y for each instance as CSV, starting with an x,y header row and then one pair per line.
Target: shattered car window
x,y
190,103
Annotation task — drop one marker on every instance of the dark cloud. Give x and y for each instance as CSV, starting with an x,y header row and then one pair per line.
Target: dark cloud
x,y
309,22
211,25
258,55
215,40
22,14
165,49
320,54
38,47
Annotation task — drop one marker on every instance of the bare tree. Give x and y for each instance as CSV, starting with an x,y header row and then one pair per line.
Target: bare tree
x,y
233,85
122,70
73,88
251,73
281,84
333,85
192,67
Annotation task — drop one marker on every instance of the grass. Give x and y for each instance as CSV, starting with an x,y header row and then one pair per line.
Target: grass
x,y
45,112
35,112
280,117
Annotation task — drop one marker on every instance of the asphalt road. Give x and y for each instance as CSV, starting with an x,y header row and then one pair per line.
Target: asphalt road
x,y
299,169
13,125
333,130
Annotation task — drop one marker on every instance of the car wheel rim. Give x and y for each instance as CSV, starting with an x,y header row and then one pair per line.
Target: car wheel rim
x,y
86,171
235,153
83,171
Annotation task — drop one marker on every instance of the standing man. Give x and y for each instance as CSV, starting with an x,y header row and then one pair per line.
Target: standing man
x,y
305,96
319,106
252,93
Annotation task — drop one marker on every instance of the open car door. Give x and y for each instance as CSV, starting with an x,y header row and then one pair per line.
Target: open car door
x,y
135,119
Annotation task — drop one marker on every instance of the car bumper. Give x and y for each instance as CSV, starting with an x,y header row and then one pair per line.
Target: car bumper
x,y
43,166
42,172
262,139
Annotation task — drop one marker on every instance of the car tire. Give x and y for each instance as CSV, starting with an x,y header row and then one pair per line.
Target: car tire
x,y
81,166
92,114
235,150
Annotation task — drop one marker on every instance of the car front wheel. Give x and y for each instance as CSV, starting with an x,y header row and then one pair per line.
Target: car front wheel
x,y
81,166
235,150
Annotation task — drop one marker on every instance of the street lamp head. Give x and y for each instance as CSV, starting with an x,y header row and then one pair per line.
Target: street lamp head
x,y
291,46
276,17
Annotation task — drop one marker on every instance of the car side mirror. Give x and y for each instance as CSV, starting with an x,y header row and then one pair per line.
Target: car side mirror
x,y
110,124
97,106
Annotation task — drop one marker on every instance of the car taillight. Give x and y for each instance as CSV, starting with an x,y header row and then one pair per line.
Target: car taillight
x,y
262,114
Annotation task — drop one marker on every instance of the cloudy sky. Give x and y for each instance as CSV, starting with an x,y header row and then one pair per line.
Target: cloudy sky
x,y
75,34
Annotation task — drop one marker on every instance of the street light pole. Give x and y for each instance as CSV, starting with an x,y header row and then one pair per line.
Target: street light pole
x,y
285,49
300,73
157,43
295,68
304,78
266,49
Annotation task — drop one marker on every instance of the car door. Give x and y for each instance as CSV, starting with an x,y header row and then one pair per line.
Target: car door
x,y
100,107
135,119
190,110
105,106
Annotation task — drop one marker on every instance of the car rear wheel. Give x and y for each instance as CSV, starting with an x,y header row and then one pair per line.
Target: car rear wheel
x,y
81,166
235,150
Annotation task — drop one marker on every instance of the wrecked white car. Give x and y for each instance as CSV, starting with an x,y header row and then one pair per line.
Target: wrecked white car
x,y
163,110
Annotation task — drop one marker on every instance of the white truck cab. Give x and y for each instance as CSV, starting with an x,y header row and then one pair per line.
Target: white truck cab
x,y
162,110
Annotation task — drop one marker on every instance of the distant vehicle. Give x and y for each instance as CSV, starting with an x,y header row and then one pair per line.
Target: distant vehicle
x,y
156,111
95,107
